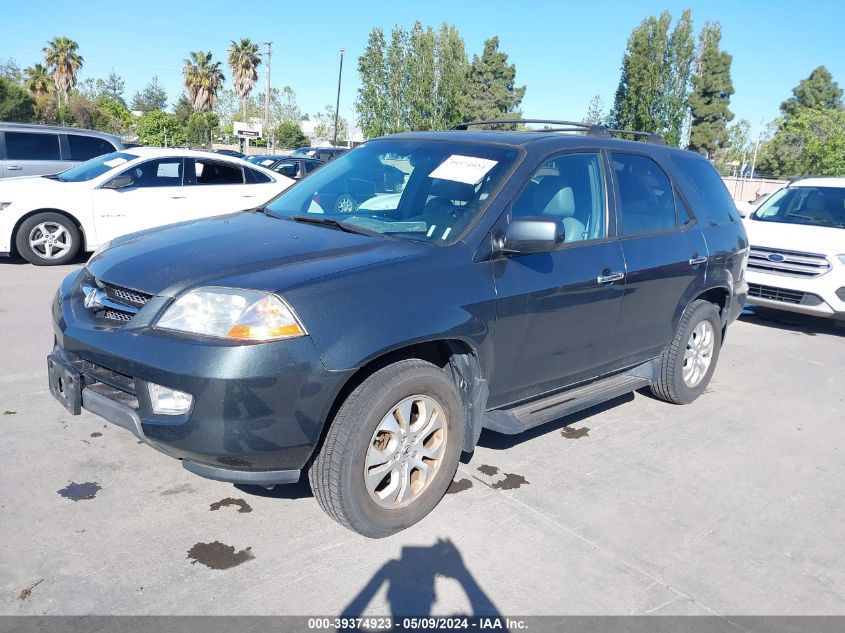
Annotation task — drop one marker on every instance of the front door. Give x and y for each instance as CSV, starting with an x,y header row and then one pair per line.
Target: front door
x,y
154,197
557,312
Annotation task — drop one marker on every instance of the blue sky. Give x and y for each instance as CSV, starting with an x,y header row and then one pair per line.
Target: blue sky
x,y
565,52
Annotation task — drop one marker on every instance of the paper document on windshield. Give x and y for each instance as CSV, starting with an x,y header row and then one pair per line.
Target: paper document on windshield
x,y
466,169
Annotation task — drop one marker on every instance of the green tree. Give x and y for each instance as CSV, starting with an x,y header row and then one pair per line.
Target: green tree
x,y
183,109
15,103
113,87
738,147
10,69
152,97
203,80
38,82
817,91
244,60
288,134
200,128
810,141
491,86
396,81
712,88
324,130
677,74
372,104
452,66
155,127
64,62
595,112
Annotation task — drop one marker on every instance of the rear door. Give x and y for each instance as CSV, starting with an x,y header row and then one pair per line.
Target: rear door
x,y
81,147
157,196
557,312
665,256
217,187
30,153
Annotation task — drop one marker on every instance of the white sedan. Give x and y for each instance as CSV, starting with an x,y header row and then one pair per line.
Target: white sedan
x,y
48,219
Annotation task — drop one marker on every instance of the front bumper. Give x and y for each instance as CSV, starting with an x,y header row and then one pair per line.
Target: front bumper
x,y
818,296
258,410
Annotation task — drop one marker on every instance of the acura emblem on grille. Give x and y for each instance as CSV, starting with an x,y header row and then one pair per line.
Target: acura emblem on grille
x,y
94,298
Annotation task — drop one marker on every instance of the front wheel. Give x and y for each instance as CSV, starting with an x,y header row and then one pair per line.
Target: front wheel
x,y
688,363
391,451
48,239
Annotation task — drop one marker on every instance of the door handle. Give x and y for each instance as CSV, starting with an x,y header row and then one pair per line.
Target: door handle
x,y
14,167
248,195
610,278
178,197
695,261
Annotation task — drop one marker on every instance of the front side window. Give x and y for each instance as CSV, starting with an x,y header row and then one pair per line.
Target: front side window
x,y
87,147
32,146
95,167
209,172
819,206
162,172
568,188
646,197
286,169
412,189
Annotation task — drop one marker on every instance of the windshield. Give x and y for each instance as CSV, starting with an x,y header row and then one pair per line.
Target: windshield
x,y
819,206
95,167
414,189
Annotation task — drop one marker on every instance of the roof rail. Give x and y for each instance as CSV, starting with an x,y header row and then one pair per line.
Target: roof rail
x,y
590,129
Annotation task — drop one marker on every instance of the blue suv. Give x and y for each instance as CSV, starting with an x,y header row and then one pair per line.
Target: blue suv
x,y
515,278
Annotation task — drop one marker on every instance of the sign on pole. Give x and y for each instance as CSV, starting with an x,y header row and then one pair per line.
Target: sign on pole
x,y
247,130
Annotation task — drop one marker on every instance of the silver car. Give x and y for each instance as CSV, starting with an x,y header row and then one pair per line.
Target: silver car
x,y
36,150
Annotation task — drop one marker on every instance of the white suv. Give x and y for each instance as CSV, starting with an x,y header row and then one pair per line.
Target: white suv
x,y
797,258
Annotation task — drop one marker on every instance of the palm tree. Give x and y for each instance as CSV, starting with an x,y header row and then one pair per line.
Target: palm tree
x,y
62,59
244,61
38,81
203,80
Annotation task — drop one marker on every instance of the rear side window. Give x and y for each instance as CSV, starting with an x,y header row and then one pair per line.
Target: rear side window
x,y
715,201
646,197
286,169
209,172
32,146
87,147
310,166
253,176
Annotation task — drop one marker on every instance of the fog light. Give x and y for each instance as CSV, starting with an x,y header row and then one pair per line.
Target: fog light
x,y
169,401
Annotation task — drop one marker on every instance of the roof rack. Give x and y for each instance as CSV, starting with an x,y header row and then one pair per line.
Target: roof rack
x,y
589,129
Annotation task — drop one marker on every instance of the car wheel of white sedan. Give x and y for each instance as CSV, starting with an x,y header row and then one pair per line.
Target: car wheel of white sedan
x,y
48,239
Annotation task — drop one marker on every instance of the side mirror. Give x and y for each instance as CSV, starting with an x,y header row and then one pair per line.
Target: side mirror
x,y
120,182
533,235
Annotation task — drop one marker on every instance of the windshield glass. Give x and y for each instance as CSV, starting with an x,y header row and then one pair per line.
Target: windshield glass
x,y
414,189
95,167
819,206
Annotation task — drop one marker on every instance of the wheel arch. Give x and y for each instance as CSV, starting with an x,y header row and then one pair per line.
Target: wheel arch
x,y
29,214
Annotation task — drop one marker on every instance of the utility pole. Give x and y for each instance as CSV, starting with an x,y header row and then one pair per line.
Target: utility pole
x,y
268,55
337,103
756,147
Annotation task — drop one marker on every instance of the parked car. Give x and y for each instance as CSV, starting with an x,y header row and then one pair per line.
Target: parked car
x,y
324,154
48,219
35,150
797,260
229,152
747,208
520,277
289,166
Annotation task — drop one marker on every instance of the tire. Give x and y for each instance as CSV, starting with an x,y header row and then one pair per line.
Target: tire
x,y
678,381
337,474
345,203
63,240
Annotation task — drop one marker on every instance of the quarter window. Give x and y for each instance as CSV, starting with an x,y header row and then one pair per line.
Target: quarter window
x,y
209,172
87,147
568,188
646,198
710,189
32,146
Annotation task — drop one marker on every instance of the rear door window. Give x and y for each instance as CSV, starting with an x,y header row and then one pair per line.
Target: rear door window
x,y
32,146
714,200
211,172
646,196
287,168
84,148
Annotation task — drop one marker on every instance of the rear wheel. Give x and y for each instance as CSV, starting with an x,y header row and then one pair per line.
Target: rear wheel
x,y
48,239
391,451
687,364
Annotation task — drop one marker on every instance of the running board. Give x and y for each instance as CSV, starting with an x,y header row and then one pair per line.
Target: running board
x,y
524,416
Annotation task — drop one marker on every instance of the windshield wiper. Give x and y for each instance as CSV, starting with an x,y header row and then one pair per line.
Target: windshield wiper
x,y
343,226
54,177
817,220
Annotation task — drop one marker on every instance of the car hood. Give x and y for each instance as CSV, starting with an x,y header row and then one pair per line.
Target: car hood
x,y
824,240
247,249
32,184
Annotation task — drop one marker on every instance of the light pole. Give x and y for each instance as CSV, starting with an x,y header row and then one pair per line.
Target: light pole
x,y
337,103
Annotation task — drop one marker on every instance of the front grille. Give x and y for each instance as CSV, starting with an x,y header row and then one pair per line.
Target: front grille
x,y
112,303
115,315
789,263
126,295
795,297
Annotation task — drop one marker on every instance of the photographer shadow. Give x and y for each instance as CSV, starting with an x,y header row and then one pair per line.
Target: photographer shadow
x,y
411,579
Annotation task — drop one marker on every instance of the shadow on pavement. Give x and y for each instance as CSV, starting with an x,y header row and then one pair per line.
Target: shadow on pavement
x,y
299,490
410,581
792,321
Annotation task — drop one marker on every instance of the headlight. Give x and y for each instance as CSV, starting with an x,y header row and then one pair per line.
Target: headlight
x,y
3,205
841,258
231,313
103,247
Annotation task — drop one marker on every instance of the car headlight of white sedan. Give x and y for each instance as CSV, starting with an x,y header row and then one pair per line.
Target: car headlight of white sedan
x,y
233,314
